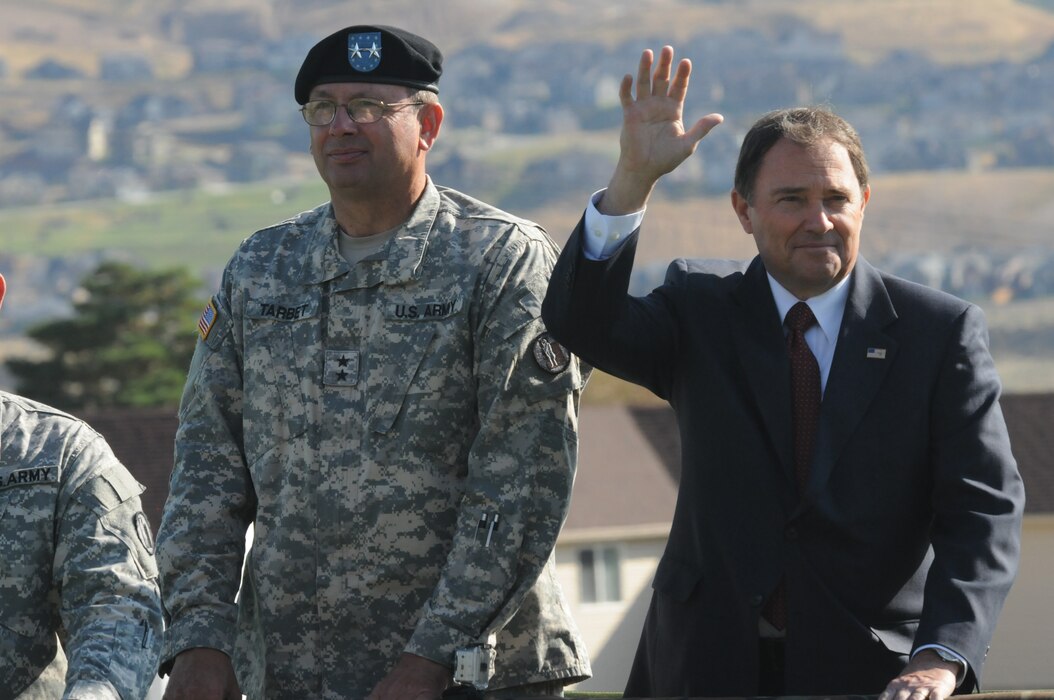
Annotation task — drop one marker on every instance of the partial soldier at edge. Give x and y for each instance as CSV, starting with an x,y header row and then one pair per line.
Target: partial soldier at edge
x,y
80,611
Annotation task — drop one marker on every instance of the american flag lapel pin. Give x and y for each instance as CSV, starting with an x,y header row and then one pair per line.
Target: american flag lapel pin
x,y
876,353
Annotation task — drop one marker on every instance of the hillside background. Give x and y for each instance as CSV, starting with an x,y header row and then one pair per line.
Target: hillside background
x,y
162,132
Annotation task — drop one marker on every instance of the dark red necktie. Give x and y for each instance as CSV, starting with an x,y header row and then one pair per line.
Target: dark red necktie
x,y
805,416
805,389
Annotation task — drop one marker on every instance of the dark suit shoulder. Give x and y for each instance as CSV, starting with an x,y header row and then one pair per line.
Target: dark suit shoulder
x,y
706,271
911,297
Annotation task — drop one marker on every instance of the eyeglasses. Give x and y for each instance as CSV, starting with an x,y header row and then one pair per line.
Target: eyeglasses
x,y
361,110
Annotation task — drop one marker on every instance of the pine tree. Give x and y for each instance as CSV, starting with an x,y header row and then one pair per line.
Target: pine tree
x,y
129,342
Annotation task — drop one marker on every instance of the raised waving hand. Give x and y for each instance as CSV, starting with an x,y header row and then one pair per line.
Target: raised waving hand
x,y
654,140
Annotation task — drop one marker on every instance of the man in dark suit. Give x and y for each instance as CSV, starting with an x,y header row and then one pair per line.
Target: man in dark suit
x,y
849,512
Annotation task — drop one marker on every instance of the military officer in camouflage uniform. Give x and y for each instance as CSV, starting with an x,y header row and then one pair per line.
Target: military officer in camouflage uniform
x,y
80,613
375,393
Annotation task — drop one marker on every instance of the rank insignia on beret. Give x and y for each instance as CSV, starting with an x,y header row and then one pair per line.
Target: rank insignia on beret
x,y
549,354
207,320
364,51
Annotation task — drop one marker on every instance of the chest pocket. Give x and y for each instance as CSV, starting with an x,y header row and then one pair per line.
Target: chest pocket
x,y
419,377
279,337
27,539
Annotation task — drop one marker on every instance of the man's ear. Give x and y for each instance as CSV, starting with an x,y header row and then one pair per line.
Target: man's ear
x,y
3,289
431,116
742,208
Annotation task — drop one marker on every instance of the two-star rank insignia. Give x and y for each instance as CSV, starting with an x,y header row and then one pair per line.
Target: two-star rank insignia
x,y
341,368
549,354
364,51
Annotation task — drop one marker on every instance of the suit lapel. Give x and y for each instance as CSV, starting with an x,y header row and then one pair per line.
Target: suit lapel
x,y
758,335
861,360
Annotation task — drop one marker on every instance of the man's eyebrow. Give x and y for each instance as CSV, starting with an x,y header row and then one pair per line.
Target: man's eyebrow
x,y
790,189
794,189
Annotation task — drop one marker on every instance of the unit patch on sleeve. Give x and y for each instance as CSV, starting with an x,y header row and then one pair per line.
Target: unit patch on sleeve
x,y
549,354
142,531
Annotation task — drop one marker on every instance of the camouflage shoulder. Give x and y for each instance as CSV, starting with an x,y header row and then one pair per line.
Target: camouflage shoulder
x,y
62,437
29,406
467,207
267,238
515,232
58,423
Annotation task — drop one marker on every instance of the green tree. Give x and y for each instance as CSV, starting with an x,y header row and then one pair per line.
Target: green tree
x,y
129,342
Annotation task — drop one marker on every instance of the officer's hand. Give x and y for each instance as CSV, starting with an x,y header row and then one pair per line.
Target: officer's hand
x,y
202,674
926,677
654,140
413,678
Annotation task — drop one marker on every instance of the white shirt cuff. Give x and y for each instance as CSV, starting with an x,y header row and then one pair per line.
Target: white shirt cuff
x,y
961,675
604,234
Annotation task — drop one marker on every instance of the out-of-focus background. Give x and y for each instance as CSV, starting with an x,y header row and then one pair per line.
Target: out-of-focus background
x,y
141,140
160,133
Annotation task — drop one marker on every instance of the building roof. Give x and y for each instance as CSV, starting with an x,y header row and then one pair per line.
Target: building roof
x,y
629,459
1030,422
622,479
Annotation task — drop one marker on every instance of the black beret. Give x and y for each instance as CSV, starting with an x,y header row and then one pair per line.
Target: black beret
x,y
370,54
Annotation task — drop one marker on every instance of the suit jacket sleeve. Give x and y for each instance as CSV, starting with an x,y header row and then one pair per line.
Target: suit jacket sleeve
x,y
978,499
588,308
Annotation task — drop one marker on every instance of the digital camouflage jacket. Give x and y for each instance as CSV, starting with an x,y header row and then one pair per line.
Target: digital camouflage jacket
x,y
401,434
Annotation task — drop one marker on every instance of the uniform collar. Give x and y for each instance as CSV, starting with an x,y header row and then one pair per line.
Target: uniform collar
x,y
406,250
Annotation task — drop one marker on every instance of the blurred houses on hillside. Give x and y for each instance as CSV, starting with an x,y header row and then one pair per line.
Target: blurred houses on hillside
x,y
913,114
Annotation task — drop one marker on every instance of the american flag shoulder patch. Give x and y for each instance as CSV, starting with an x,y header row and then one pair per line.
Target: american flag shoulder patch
x,y
207,320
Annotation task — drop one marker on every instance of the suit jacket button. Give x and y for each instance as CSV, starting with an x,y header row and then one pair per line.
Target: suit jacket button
x,y
791,534
756,601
